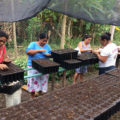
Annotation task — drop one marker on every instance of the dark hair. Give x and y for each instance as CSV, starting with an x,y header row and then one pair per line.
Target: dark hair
x,y
3,34
106,36
42,36
86,36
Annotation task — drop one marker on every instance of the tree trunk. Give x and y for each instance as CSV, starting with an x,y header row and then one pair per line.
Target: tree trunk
x,y
49,34
8,28
63,30
14,38
112,31
69,29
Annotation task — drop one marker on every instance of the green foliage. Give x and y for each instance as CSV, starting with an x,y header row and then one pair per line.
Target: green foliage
x,y
21,61
96,66
72,43
117,37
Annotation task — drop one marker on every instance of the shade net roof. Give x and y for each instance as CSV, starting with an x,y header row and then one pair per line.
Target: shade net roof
x,y
96,11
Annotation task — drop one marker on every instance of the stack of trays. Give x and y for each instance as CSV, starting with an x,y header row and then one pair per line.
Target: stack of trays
x,y
10,89
88,58
45,66
14,73
66,58
71,64
64,54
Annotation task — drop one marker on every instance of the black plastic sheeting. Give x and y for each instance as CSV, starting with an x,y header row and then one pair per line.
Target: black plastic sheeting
x,y
16,10
96,11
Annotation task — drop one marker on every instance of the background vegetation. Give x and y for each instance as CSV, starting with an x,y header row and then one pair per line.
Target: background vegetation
x,y
51,23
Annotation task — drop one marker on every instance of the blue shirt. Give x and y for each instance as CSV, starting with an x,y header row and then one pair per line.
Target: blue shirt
x,y
35,46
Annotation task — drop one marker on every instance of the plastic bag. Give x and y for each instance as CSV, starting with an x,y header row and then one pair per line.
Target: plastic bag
x,y
78,49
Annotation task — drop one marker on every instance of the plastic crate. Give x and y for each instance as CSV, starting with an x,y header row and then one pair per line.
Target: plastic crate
x,y
14,73
64,54
70,64
88,58
10,89
45,66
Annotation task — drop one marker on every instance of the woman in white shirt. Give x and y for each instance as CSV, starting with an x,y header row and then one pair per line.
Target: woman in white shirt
x,y
107,55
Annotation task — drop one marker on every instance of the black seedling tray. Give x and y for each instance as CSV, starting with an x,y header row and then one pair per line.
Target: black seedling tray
x,y
64,54
88,58
71,64
94,58
14,73
94,99
10,89
45,66
109,112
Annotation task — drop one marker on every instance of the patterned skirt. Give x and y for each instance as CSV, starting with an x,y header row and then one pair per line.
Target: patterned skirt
x,y
39,83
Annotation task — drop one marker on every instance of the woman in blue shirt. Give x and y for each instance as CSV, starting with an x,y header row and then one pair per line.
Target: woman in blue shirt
x,y
37,50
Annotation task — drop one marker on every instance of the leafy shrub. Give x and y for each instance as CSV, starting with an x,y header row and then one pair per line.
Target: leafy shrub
x,y
21,61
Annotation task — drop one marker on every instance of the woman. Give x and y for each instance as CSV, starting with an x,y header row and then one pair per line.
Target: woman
x,y
107,55
3,54
37,50
84,46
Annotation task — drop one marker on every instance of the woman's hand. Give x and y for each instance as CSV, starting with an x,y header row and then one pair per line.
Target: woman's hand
x,y
42,50
48,55
33,52
89,50
96,51
3,67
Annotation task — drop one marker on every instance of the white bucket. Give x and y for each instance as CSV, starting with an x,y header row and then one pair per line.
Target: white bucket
x,y
13,99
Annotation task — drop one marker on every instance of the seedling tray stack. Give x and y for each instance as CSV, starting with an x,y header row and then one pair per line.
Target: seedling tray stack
x,y
14,73
71,64
64,54
45,66
94,58
94,99
66,58
10,89
88,58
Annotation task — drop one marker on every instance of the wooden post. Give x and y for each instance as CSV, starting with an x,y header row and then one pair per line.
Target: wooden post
x,y
49,34
117,62
63,30
53,81
112,31
15,40
64,79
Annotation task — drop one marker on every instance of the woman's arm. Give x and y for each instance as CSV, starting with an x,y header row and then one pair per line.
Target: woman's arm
x,y
4,56
32,52
101,58
48,55
4,66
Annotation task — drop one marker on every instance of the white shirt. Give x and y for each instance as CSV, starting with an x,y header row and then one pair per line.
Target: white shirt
x,y
118,47
111,51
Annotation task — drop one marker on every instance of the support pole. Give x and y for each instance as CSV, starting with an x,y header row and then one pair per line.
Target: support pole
x,y
63,31
112,31
15,40
64,79
53,81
